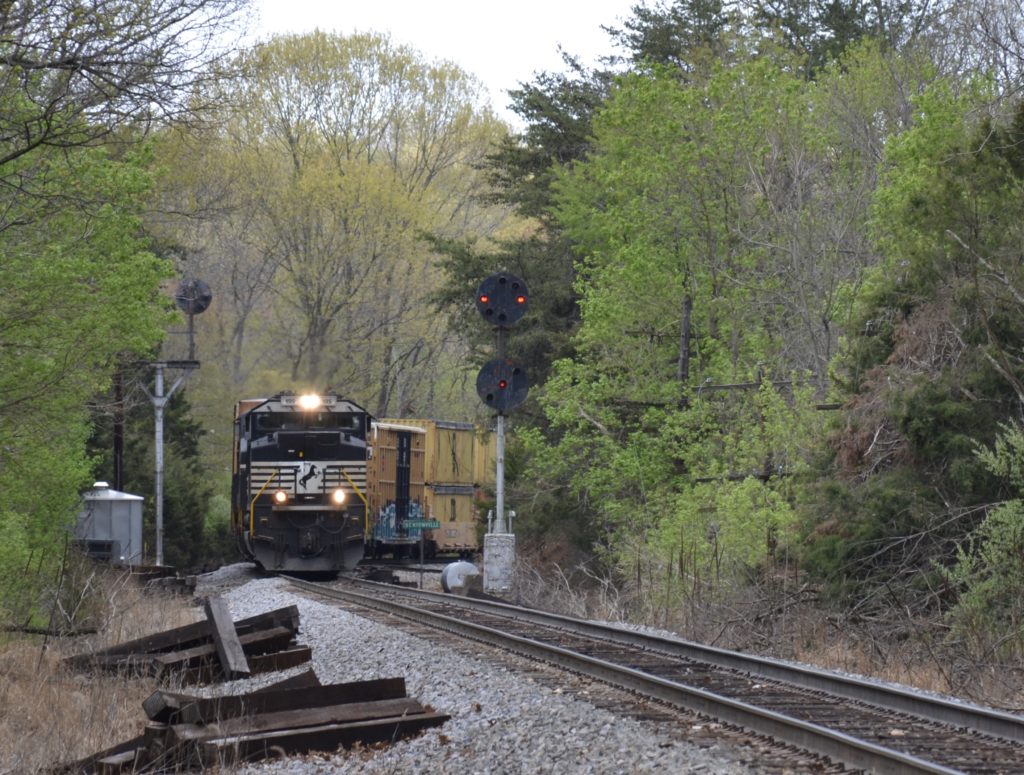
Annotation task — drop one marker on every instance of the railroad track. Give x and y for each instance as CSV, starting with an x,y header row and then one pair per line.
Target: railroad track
x,y
861,724
386,564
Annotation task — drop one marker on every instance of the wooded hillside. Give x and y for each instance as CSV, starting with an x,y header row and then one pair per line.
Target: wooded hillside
x,y
773,249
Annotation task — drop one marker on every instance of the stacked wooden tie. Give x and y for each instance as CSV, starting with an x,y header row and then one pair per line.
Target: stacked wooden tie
x,y
296,715
212,650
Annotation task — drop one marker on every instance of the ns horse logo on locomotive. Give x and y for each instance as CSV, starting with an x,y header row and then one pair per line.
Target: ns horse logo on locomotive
x,y
299,482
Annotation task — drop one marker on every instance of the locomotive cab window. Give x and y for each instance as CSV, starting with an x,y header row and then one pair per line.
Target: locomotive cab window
x,y
268,422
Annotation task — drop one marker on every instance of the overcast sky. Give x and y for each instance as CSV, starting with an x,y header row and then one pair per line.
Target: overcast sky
x,y
503,44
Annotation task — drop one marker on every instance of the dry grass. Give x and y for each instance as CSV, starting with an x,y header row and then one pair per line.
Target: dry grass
x,y
916,662
787,622
49,715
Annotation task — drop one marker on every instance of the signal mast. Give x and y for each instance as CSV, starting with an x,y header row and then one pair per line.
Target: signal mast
x,y
502,299
193,297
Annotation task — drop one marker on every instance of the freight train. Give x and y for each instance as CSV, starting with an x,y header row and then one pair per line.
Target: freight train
x,y
317,482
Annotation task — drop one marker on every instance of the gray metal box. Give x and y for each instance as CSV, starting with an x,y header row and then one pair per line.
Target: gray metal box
x,y
110,525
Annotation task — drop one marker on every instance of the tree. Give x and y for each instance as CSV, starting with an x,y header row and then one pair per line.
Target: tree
x,y
80,290
931,368
346,152
76,71
685,35
674,298
989,572
822,30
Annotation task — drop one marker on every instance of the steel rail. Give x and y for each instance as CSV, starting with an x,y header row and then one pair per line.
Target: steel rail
x,y
985,720
811,737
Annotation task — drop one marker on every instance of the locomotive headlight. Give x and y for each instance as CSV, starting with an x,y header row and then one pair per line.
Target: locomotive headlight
x,y
280,497
309,402
338,496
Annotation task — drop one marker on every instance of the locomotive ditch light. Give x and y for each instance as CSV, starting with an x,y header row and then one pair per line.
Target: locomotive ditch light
x,y
280,497
309,402
338,496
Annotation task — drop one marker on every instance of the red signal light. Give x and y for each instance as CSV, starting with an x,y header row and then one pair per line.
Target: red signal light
x,y
502,300
501,384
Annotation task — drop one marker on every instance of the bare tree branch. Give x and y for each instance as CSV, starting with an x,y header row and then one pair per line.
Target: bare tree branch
x,y
74,71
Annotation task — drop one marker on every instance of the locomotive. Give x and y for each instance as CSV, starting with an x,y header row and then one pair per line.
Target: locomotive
x,y
298,487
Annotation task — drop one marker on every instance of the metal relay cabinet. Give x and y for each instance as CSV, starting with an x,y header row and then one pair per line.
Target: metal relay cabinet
x,y
109,526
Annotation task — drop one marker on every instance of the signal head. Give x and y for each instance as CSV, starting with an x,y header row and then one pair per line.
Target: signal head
x,y
502,299
502,385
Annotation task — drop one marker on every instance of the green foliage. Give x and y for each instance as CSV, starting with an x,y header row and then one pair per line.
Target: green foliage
x,y
822,31
80,289
558,110
943,431
871,534
713,250
668,465
989,572
682,35
932,360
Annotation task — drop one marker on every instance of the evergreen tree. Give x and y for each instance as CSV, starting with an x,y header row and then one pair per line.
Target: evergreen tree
x,y
933,366
187,489
822,30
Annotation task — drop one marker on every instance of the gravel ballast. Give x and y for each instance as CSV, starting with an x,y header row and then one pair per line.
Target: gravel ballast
x,y
502,720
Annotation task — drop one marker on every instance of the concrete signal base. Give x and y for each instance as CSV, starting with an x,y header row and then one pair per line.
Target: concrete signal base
x,y
499,562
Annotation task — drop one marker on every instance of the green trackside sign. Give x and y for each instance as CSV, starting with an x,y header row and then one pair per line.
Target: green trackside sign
x,y
421,524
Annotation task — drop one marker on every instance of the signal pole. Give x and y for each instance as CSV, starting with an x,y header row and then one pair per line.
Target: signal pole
x,y
160,400
499,477
499,473
193,297
502,300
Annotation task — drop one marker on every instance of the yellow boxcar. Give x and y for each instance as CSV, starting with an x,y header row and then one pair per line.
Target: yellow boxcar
x,y
458,465
449,449
395,489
